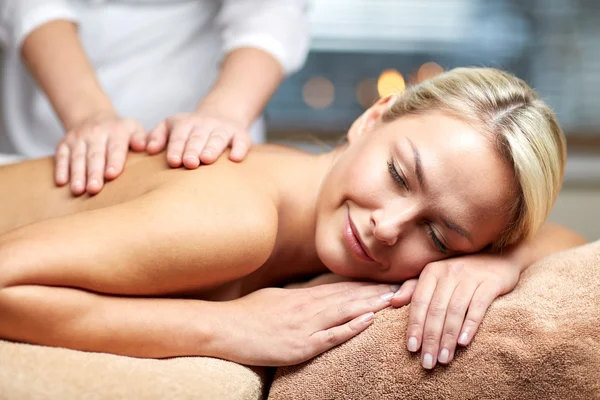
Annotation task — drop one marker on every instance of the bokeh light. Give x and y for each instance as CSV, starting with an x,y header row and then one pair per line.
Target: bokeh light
x,y
390,81
428,71
318,92
366,92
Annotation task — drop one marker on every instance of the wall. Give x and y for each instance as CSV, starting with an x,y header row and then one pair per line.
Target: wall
x,y
579,209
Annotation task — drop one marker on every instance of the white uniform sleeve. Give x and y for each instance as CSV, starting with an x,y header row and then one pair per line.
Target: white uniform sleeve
x,y
279,27
19,17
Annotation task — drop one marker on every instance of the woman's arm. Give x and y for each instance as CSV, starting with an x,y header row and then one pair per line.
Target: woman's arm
x,y
551,238
83,320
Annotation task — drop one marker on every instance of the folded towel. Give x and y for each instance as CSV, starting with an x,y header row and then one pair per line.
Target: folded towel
x,y
541,341
36,372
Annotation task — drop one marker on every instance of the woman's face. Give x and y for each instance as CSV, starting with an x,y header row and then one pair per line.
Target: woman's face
x,y
409,192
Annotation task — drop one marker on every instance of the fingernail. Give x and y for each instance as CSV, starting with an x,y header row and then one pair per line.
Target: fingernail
x,y
427,361
387,296
367,317
77,185
395,288
207,152
412,344
463,339
93,182
111,170
175,158
444,355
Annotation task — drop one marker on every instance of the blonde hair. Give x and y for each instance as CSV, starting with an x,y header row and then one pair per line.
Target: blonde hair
x,y
523,129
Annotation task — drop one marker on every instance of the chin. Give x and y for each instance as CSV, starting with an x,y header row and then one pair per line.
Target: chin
x,y
334,259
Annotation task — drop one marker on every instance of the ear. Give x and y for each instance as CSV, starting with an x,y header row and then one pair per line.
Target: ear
x,y
370,117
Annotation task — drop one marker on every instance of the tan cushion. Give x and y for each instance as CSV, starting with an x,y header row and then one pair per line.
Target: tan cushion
x,y
541,341
36,372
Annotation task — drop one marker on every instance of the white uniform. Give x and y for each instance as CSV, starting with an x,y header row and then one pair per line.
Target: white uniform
x,y
154,58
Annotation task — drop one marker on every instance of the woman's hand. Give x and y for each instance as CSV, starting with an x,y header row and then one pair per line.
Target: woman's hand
x,y
96,149
449,301
199,137
276,327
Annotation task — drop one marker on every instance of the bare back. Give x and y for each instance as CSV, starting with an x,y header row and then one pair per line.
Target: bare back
x,y
29,194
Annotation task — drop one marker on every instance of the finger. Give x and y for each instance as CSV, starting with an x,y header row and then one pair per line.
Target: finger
x,y
343,311
418,310
157,139
483,297
116,154
350,295
63,155
349,290
434,322
78,159
217,143
139,137
457,308
405,293
240,144
326,339
177,140
96,160
193,147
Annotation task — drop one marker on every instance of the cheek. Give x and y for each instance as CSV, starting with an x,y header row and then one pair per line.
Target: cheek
x,y
328,237
368,185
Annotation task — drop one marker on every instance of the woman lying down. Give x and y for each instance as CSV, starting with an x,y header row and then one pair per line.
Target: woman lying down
x,y
450,182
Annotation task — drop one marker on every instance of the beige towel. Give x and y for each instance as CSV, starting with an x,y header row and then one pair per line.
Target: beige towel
x,y
35,372
541,341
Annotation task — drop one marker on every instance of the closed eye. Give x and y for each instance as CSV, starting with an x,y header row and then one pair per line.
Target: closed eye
x,y
395,175
436,241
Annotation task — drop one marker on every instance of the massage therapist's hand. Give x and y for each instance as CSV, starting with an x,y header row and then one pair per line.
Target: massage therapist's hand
x,y
199,137
276,327
449,301
96,149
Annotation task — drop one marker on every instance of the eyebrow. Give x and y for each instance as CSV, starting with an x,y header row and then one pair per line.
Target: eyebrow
x,y
457,228
421,178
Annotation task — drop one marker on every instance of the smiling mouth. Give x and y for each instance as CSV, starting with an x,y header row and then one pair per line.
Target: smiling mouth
x,y
353,241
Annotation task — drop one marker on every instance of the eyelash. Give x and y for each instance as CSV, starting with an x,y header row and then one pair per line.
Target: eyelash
x,y
440,246
394,172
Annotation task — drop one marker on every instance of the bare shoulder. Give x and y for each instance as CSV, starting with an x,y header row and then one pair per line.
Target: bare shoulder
x,y
227,208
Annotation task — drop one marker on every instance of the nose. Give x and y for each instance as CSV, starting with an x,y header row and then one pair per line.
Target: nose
x,y
391,223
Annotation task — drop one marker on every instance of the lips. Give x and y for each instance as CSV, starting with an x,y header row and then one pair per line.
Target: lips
x,y
353,241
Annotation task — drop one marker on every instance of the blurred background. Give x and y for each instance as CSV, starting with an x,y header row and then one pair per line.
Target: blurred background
x,y
362,49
